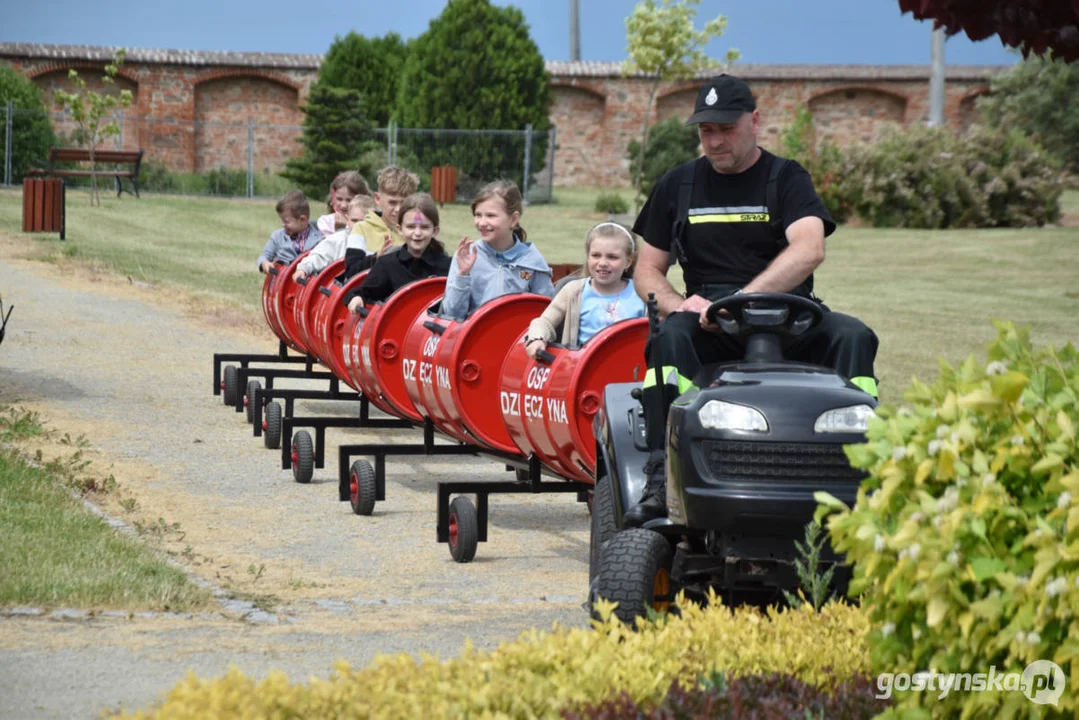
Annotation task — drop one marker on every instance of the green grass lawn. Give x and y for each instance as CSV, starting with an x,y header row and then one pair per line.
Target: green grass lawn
x,y
56,553
928,294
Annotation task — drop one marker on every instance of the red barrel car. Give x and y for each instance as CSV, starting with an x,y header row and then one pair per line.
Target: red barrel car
x,y
452,369
548,404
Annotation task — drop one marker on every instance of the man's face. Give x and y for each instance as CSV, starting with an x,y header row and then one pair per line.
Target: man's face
x,y
293,224
730,147
389,205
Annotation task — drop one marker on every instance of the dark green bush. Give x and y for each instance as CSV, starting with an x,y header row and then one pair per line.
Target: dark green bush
x,y
155,177
823,161
370,66
222,181
32,132
612,203
670,143
754,697
1040,97
336,132
933,178
476,68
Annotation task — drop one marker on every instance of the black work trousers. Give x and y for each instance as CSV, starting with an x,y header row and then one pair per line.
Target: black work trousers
x,y
680,348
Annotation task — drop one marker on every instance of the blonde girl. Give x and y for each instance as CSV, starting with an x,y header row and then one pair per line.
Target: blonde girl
x,y
605,296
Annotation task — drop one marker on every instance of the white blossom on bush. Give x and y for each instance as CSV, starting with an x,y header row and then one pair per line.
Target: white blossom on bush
x,y
1056,587
997,367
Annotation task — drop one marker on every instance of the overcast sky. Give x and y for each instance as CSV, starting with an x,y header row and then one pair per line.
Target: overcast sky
x,y
765,31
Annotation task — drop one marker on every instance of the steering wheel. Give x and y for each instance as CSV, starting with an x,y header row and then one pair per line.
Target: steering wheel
x,y
784,314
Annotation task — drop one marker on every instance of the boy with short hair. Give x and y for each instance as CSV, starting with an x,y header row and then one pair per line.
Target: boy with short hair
x,y
379,227
296,235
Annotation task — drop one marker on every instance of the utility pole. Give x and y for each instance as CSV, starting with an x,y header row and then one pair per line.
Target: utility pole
x,y
574,30
936,79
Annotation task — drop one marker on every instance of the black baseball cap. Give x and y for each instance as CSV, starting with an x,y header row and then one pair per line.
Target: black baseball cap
x,y
723,99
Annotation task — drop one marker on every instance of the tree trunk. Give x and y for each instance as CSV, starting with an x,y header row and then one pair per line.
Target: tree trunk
x,y
644,141
94,198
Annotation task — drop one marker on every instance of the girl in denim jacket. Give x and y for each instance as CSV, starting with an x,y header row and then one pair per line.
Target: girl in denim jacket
x,y
503,262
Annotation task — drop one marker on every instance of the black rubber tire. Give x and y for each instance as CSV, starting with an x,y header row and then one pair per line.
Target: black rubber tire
x,y
271,431
604,523
231,380
303,457
631,562
363,488
464,529
249,399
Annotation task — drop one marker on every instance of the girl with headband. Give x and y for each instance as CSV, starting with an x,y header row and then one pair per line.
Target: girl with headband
x,y
605,296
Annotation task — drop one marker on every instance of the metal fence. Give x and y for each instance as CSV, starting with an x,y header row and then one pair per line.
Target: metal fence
x,y
245,159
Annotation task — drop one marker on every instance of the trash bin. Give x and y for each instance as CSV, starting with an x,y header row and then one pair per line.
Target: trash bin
x,y
444,184
43,205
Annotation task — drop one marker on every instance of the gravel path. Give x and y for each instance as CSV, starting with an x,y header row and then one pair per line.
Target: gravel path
x,y
130,369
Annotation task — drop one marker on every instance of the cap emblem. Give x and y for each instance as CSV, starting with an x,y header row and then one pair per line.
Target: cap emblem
x,y
711,98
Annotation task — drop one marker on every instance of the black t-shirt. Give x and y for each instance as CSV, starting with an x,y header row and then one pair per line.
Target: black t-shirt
x,y
729,238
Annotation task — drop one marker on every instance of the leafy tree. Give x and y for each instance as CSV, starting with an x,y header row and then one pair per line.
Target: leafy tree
x,y
476,67
93,113
670,143
336,134
371,66
662,44
1041,98
32,133
1034,26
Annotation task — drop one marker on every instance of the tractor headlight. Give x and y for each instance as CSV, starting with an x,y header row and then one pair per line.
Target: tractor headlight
x,y
853,419
720,415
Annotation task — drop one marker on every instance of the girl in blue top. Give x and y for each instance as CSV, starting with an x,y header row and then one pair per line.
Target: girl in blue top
x,y
503,263
584,307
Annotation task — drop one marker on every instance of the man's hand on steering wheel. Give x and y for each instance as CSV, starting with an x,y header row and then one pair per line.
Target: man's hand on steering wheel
x,y
699,305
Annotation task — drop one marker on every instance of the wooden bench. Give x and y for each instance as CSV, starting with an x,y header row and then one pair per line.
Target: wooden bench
x,y
113,157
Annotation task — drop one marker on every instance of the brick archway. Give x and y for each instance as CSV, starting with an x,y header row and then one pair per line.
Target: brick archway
x,y
212,75
64,66
856,112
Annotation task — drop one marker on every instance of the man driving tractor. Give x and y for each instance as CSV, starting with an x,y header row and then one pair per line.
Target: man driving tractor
x,y
739,220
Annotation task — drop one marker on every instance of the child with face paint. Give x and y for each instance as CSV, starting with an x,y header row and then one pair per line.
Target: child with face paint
x,y
605,296
420,256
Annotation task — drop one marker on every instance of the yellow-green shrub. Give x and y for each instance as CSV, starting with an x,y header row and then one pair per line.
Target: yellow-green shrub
x,y
543,673
965,537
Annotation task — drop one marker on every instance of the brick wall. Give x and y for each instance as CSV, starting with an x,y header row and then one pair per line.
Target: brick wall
x,y
191,109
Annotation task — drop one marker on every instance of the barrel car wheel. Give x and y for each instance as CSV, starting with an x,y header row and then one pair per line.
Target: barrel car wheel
x,y
464,530
249,399
362,487
271,426
303,457
230,383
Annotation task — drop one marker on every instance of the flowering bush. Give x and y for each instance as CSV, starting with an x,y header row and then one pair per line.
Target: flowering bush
x,y
543,674
965,538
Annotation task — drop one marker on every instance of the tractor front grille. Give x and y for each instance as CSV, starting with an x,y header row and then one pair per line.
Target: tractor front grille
x,y
806,462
